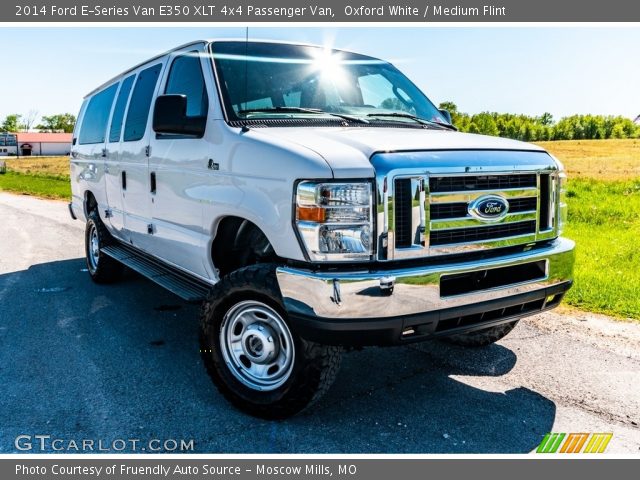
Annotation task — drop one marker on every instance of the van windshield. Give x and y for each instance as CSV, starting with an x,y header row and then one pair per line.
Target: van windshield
x,y
274,81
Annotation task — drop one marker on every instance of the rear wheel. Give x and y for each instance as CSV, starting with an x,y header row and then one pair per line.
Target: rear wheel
x,y
253,354
102,268
482,338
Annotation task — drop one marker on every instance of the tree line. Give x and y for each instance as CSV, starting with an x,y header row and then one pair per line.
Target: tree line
x,y
61,122
516,126
544,127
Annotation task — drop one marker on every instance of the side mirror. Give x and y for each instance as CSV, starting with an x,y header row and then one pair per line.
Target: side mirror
x,y
446,115
170,116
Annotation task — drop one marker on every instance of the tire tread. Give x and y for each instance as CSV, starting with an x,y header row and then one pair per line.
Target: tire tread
x,y
321,362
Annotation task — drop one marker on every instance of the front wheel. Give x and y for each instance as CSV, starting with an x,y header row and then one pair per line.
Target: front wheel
x,y
254,355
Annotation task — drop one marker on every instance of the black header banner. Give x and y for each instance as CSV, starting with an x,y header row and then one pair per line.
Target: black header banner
x,y
325,11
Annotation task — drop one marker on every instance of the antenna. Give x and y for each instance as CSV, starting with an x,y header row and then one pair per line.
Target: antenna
x,y
246,66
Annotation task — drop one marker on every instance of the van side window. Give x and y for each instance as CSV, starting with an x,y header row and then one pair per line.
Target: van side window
x,y
118,112
138,112
94,123
186,78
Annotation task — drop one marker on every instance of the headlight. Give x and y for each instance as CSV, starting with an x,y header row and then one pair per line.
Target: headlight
x,y
334,220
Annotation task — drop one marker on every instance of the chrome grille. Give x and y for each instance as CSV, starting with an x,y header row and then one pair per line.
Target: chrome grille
x,y
481,182
449,202
477,234
448,227
403,212
424,209
440,211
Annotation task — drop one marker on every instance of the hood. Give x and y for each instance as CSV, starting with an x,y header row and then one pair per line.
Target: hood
x,y
347,150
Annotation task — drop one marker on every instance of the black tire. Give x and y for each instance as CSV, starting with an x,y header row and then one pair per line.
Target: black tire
x,y
102,268
312,369
482,338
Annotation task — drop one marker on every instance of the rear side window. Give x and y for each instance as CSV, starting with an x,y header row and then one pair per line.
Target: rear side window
x,y
186,78
138,112
118,112
94,123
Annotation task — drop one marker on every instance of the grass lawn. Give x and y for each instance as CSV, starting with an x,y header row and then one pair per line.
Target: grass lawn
x,y
45,186
604,215
604,221
46,177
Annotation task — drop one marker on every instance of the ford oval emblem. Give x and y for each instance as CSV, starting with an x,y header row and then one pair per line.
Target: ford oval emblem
x,y
489,208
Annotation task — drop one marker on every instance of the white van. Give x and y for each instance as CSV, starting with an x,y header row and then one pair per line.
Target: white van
x,y
312,200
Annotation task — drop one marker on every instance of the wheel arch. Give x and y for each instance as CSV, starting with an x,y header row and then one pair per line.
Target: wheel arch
x,y
90,203
239,242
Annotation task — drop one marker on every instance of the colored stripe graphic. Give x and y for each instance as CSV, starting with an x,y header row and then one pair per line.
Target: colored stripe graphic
x,y
574,443
598,443
550,443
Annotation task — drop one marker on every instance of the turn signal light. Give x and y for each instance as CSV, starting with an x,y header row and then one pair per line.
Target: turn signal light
x,y
311,214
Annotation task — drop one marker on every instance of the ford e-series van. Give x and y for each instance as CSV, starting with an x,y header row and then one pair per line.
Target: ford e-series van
x,y
313,200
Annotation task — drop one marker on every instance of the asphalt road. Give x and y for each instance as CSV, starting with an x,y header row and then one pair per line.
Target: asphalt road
x,y
80,361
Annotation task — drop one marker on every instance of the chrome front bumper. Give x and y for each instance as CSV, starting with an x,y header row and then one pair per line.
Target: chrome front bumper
x,y
399,300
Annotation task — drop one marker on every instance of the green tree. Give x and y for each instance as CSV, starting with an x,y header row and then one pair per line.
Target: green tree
x,y
62,121
544,127
11,123
485,123
618,131
546,119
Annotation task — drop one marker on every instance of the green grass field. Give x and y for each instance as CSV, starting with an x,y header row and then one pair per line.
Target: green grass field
x,y
604,221
604,216
45,186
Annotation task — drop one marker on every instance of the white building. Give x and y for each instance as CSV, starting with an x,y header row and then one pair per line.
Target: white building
x,y
637,120
8,144
43,143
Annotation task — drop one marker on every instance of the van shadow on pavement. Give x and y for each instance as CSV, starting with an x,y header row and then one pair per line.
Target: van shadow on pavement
x,y
84,361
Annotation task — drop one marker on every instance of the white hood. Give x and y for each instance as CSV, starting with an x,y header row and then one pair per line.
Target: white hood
x,y
347,150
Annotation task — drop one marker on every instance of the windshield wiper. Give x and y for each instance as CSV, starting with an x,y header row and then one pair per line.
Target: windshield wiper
x,y
419,120
316,111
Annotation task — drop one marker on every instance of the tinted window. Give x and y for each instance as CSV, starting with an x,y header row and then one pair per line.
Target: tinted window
x,y
94,122
257,75
138,112
186,78
118,112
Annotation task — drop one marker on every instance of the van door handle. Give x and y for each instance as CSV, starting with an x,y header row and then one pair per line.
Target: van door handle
x,y
104,153
152,182
124,180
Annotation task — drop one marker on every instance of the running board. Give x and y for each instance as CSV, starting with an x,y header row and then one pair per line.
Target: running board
x,y
182,284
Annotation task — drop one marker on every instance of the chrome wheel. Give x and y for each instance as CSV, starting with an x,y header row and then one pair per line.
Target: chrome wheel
x,y
93,250
257,345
